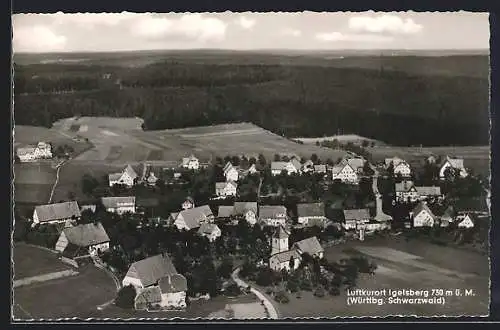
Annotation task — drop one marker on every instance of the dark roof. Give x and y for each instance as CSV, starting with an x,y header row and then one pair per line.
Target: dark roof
x,y
147,202
356,214
311,210
173,283
309,245
150,270
429,190
86,235
241,207
225,211
271,211
115,202
57,211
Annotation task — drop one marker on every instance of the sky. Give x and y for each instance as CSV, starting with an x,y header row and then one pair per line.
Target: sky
x,y
125,31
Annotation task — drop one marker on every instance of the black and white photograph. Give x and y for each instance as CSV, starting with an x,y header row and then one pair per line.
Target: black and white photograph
x,y
250,166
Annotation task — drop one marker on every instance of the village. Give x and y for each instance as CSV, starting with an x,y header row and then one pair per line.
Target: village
x,y
242,223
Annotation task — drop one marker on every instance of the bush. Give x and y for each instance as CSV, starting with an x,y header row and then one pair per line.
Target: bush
x,y
334,291
281,297
269,291
126,297
319,292
232,290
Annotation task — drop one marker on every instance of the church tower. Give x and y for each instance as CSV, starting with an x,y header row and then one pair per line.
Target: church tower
x,y
279,241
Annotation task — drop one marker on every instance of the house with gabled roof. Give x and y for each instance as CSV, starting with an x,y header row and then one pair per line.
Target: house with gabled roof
x,y
422,216
355,218
429,192
399,166
33,152
158,271
320,169
405,191
308,166
192,218
210,231
188,203
310,212
447,217
453,163
86,239
467,220
345,173
279,167
190,163
273,215
225,189
239,210
126,177
119,205
231,172
310,246
56,213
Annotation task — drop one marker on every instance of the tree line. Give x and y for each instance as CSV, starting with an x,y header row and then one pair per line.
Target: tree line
x,y
292,101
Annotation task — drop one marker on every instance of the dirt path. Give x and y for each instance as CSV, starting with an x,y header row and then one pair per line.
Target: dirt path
x,y
58,167
44,278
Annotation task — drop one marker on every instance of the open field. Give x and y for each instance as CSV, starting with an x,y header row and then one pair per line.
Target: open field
x,y
196,309
31,261
119,141
33,134
402,265
70,177
33,182
67,297
475,157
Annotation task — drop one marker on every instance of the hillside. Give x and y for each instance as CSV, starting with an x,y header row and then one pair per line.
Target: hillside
x,y
401,100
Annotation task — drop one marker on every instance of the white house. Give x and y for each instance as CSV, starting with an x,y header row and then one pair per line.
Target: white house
x,y
355,218
422,216
158,271
190,163
311,213
210,231
455,163
230,172
272,215
345,173
310,246
126,177
56,213
466,220
188,203
119,205
86,239
192,218
278,167
400,166
225,189
308,166
405,191
30,153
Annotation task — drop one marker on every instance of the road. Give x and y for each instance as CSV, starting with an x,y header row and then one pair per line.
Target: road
x,y
271,310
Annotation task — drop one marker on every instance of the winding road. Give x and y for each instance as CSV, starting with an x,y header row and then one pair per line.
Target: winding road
x,y
271,310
